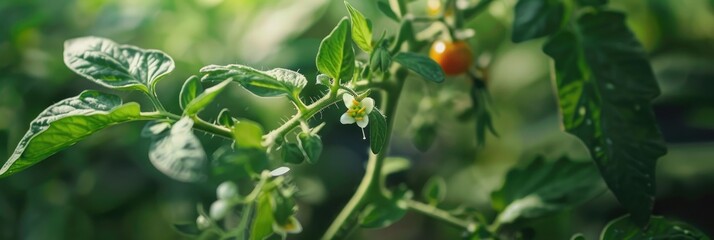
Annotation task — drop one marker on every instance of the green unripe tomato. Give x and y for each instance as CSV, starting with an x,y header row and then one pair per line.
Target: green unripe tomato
x,y
202,222
227,190
219,209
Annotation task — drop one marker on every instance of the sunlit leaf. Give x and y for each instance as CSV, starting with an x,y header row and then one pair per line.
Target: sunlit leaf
x,y
248,134
178,153
206,97
336,57
190,89
361,30
269,83
605,89
116,66
545,187
65,123
262,226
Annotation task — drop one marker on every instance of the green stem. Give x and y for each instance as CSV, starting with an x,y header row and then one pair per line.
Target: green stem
x,y
372,185
293,122
441,215
199,124
155,100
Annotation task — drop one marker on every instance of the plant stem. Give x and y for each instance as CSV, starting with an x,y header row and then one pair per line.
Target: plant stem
x,y
199,124
372,185
442,215
304,115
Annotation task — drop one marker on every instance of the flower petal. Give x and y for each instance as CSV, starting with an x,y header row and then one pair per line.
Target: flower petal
x,y
347,98
368,104
347,119
363,123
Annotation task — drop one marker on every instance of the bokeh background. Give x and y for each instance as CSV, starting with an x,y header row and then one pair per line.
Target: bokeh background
x,y
105,187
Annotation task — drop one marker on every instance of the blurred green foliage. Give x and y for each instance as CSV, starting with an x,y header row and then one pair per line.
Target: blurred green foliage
x,y
105,187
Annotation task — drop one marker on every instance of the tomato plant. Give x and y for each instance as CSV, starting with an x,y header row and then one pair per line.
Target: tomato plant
x,y
603,82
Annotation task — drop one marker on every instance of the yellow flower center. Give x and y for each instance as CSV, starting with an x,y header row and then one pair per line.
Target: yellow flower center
x,y
357,111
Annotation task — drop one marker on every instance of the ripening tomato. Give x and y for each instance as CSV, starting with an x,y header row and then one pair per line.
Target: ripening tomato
x,y
454,57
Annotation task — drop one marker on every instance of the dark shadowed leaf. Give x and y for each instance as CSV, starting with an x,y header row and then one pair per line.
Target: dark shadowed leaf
x,y
310,146
421,65
605,89
545,187
536,18
377,131
623,228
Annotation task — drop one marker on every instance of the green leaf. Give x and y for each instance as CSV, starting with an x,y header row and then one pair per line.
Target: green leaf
x,y
387,10
188,229
361,30
311,146
336,58
545,187
116,66
423,133
399,7
536,18
178,153
406,34
578,236
623,228
605,88
190,89
381,60
385,212
263,224
594,3
269,83
205,98
394,165
283,207
225,119
65,123
473,11
292,153
377,131
228,163
248,134
434,190
421,65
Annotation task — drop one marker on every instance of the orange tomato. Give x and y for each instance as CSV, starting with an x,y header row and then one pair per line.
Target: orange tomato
x,y
454,57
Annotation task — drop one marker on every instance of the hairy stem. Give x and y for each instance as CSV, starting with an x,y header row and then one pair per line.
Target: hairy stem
x,y
372,185
198,123
441,215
